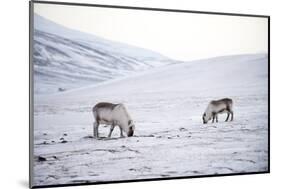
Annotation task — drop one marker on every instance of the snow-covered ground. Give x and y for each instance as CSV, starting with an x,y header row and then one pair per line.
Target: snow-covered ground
x,y
170,140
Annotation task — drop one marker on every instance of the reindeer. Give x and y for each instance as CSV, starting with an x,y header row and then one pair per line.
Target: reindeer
x,y
112,114
216,107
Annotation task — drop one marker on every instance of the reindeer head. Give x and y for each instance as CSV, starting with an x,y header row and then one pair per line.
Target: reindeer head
x,y
206,118
131,127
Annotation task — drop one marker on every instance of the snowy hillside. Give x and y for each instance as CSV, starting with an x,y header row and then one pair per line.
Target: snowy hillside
x,y
67,59
170,140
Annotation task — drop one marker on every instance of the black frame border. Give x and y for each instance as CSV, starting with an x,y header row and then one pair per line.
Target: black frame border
x,y
31,91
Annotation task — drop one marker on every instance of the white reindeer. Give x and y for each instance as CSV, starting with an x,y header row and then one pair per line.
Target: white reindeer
x,y
216,107
112,114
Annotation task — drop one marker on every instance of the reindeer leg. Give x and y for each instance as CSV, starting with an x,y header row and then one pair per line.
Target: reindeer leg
x,y
231,116
216,117
111,129
227,116
121,132
213,117
96,130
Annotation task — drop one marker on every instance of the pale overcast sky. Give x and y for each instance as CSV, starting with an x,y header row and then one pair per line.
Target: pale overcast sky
x,y
182,36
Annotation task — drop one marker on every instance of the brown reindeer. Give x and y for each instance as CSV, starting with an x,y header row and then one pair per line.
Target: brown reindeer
x,y
112,114
216,107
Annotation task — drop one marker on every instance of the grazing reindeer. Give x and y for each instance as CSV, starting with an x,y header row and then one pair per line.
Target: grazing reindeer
x,y
112,114
216,107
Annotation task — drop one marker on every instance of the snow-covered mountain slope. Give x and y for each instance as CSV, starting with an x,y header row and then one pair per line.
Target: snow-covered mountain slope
x,y
170,140
220,76
66,59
